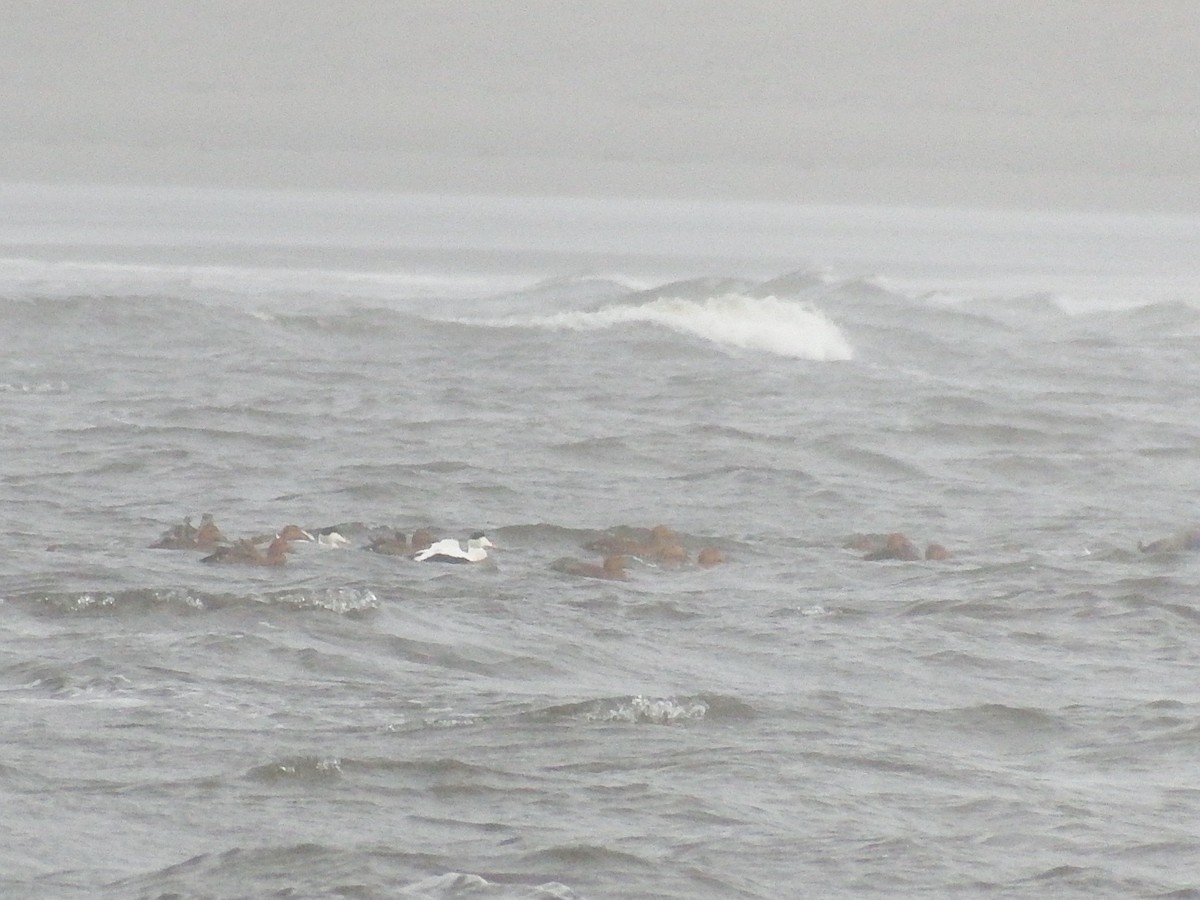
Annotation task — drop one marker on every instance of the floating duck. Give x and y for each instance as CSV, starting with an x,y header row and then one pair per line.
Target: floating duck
x,y
449,550
668,553
1185,539
616,544
177,537
208,534
897,546
393,544
710,556
246,552
185,536
866,543
421,539
332,539
612,569
287,532
659,544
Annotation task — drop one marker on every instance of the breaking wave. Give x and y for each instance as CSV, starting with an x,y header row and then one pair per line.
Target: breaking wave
x,y
767,324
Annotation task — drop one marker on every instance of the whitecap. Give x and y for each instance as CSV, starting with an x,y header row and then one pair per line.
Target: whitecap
x,y
41,387
337,600
458,884
640,710
768,324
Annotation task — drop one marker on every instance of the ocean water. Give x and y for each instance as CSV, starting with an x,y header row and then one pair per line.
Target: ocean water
x,y
1020,720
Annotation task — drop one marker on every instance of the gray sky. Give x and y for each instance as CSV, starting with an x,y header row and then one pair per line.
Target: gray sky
x,y
1047,103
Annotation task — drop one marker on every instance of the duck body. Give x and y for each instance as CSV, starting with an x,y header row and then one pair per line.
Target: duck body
x,y
450,550
276,554
898,546
393,544
287,532
612,569
659,544
1186,539
292,533
246,552
185,536
177,537
332,540
422,539
208,534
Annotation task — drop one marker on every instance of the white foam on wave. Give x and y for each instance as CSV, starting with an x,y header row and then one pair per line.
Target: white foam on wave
x,y
461,884
655,710
768,324
337,600
34,387
1072,295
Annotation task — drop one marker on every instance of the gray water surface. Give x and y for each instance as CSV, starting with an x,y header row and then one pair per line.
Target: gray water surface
x,y
1019,720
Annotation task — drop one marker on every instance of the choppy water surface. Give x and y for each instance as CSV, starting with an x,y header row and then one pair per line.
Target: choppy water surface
x,y
1019,720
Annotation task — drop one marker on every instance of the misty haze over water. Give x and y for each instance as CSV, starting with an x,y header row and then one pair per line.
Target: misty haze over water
x,y
780,280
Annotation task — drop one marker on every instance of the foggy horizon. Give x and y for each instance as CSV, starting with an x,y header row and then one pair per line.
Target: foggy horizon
x,y
1061,105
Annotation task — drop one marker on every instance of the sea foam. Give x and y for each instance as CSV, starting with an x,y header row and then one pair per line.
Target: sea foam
x,y
767,324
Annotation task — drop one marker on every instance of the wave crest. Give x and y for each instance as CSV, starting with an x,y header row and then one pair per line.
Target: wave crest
x,y
639,710
768,324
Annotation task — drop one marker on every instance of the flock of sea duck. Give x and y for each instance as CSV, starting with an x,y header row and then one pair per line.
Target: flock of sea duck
x,y
896,545
186,536
394,543
659,545
248,551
